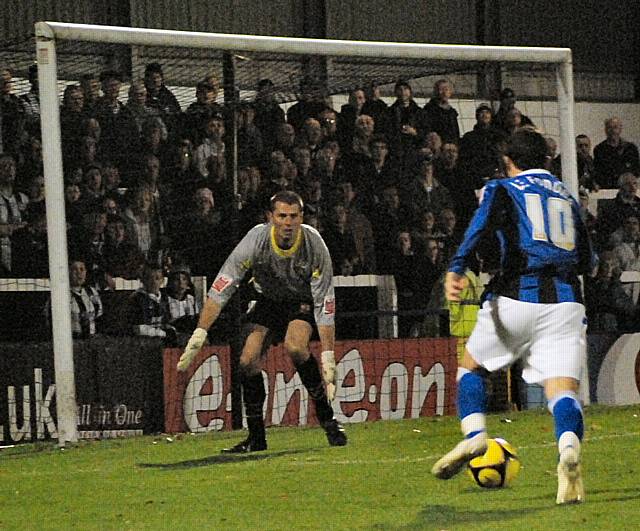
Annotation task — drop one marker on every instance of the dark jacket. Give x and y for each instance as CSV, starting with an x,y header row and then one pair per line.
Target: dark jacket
x,y
443,120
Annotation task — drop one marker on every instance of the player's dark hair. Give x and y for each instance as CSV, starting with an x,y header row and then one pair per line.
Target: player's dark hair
x,y
527,149
288,197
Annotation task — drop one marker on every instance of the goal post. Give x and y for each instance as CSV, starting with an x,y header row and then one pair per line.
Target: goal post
x,y
50,34
66,408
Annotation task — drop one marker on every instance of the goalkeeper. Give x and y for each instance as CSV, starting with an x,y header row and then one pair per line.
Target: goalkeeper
x,y
292,274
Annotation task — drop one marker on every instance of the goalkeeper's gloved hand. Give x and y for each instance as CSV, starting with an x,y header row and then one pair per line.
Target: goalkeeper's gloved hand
x,y
194,345
329,373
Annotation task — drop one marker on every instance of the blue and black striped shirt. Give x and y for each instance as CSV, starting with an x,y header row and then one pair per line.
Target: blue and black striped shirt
x,y
530,226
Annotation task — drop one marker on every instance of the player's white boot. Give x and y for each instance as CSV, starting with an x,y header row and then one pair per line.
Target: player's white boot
x,y
570,487
451,463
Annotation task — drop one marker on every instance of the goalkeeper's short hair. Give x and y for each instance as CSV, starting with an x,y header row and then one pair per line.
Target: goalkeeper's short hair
x,y
288,197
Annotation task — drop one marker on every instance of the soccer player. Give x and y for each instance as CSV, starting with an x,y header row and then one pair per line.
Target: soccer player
x,y
293,275
533,307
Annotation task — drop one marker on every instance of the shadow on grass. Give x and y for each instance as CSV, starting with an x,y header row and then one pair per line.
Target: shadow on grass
x,y
444,516
221,459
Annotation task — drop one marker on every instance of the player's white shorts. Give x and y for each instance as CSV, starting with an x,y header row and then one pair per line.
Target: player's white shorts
x,y
549,338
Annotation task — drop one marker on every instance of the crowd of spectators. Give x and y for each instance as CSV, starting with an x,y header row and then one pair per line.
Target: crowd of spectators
x,y
391,187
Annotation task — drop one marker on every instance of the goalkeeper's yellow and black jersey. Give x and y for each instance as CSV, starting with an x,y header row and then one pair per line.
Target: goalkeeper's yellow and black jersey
x,y
302,273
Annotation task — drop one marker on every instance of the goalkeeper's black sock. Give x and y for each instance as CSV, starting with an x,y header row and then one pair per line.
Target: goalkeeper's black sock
x,y
310,375
254,397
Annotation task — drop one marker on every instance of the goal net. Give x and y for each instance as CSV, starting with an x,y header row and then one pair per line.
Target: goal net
x,y
197,83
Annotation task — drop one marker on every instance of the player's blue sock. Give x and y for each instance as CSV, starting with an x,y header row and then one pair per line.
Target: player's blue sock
x,y
471,402
568,419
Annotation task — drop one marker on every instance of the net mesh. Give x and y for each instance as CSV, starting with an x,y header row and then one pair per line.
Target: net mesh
x,y
131,185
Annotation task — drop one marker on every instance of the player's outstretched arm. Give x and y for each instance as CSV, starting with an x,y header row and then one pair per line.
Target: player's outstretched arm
x,y
453,286
208,316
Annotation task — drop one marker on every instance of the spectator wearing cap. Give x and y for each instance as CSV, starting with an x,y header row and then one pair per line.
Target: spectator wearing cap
x,y
440,115
406,124
425,192
507,103
160,97
269,115
212,144
480,150
198,112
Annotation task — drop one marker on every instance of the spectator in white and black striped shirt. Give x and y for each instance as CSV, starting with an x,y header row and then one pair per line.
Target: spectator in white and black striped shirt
x,y
183,306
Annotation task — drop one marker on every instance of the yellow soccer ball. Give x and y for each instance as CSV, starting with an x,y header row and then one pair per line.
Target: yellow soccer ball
x,y
497,467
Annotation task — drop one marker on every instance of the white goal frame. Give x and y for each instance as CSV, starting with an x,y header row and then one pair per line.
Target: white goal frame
x,y
47,33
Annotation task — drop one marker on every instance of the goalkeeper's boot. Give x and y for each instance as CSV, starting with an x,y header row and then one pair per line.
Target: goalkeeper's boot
x,y
454,461
250,444
257,440
335,432
570,487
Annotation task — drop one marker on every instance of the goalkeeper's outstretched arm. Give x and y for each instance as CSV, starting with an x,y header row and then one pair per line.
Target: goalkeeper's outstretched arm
x,y
208,316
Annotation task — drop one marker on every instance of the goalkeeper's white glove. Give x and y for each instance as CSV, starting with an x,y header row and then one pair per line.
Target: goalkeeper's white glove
x,y
194,345
329,373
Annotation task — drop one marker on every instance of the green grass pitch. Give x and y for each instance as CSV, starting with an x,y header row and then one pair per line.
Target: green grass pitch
x,y
381,480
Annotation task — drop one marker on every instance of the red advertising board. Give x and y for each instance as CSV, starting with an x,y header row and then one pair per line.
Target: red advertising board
x,y
377,379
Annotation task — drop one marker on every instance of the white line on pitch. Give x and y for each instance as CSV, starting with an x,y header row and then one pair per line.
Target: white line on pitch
x,y
391,460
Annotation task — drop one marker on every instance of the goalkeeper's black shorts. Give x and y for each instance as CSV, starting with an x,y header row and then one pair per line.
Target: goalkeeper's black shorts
x,y
276,315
